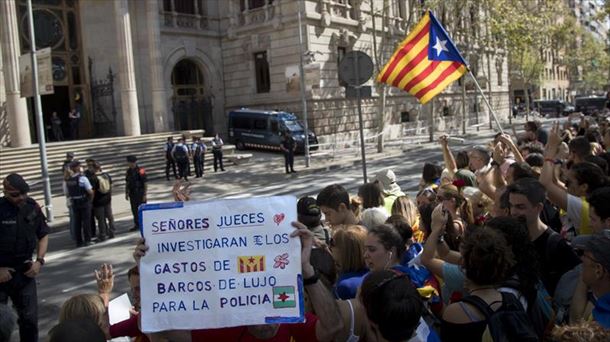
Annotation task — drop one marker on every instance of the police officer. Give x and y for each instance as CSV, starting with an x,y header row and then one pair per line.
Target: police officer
x,y
169,160
198,149
288,146
180,153
135,188
23,229
217,152
80,194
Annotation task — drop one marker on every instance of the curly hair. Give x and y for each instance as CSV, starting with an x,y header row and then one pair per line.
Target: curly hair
x,y
487,259
526,268
581,332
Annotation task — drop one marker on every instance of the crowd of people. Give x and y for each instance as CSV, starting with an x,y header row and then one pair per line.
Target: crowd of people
x,y
504,242
181,155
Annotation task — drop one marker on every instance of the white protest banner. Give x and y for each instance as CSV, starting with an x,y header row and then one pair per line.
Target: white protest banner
x,y
220,263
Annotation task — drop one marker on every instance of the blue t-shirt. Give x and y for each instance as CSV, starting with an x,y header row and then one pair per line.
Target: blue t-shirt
x,y
348,284
601,311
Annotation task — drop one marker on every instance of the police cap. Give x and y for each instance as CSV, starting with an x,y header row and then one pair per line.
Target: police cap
x,y
16,182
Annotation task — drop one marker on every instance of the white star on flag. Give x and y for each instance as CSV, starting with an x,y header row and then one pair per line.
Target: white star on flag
x,y
440,46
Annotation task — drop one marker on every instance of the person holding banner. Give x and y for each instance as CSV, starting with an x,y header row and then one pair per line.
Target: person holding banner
x,y
320,327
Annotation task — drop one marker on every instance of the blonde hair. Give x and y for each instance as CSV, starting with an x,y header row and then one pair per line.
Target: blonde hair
x,y
82,306
355,205
581,332
349,253
405,207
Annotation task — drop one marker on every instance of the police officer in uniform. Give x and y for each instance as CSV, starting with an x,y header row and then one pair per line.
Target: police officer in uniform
x,y
180,153
217,144
198,150
80,193
23,229
135,188
288,146
169,160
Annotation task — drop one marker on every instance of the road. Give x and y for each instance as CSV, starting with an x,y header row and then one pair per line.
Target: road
x,y
69,271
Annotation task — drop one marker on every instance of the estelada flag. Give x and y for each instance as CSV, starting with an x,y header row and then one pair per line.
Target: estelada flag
x,y
252,263
426,62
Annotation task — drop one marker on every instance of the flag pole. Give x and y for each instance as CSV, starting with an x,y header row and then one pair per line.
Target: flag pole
x,y
493,112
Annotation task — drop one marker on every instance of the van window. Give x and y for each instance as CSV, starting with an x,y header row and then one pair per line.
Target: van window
x,y
241,123
260,124
275,127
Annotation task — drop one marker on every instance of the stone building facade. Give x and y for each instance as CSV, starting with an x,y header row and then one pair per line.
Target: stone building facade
x,y
133,67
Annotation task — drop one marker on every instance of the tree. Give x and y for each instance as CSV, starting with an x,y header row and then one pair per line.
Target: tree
x,y
525,28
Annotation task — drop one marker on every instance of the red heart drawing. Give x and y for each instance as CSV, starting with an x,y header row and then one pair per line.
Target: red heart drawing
x,y
278,218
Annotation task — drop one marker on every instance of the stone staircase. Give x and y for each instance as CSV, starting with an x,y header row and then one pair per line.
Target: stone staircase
x,y
109,152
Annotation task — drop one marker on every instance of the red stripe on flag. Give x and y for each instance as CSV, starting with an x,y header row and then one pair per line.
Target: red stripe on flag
x,y
404,50
453,67
422,75
241,266
412,64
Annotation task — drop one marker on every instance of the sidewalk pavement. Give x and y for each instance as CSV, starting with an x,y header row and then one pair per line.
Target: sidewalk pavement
x,y
269,163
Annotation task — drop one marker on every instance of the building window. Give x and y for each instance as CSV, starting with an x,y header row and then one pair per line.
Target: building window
x,y
261,67
252,4
341,51
405,116
184,6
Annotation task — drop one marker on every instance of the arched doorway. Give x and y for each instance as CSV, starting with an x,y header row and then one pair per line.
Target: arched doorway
x,y
57,26
191,105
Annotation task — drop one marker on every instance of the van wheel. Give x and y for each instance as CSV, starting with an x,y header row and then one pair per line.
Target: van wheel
x,y
240,145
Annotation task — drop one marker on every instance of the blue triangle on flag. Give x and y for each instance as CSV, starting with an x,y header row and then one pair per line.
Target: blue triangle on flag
x,y
440,46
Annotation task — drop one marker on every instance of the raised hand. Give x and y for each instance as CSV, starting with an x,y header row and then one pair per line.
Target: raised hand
x,y
104,278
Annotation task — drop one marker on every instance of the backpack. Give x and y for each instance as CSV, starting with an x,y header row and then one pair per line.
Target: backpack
x,y
104,183
507,324
540,311
180,154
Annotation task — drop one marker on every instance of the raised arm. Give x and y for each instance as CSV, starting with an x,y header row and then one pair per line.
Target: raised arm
x,y
105,282
428,255
508,142
555,193
448,158
330,321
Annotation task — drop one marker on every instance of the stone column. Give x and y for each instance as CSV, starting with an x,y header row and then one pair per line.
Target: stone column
x,y
17,110
127,75
159,95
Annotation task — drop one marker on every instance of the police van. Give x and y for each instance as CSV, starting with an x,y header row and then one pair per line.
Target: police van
x,y
265,129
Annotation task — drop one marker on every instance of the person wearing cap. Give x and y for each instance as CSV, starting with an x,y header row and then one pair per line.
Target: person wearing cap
x,y
135,188
198,149
23,229
180,153
591,299
391,191
66,164
309,214
217,144
80,192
